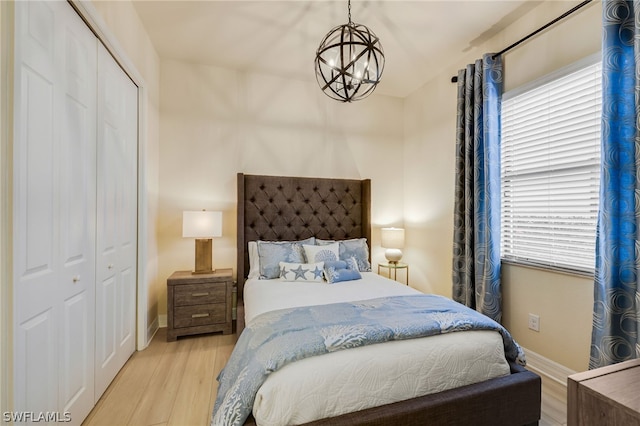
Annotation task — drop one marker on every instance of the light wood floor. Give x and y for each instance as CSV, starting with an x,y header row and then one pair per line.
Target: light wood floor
x,y
155,387
554,403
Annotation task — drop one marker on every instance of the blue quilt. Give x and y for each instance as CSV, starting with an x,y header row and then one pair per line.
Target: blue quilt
x,y
274,339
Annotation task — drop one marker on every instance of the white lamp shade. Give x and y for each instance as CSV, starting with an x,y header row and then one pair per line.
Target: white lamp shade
x,y
392,238
201,224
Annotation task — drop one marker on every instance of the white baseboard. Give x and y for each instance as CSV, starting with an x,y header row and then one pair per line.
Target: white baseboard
x,y
162,320
551,369
152,330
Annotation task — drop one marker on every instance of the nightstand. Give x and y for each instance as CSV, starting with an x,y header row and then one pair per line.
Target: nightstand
x,y
199,303
394,267
605,396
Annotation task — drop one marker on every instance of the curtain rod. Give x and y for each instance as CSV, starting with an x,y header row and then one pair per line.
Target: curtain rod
x,y
454,79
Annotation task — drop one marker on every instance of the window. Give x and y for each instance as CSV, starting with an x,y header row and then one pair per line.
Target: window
x,y
550,170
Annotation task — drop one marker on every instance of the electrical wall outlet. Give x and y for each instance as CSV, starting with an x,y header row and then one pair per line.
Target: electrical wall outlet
x,y
534,322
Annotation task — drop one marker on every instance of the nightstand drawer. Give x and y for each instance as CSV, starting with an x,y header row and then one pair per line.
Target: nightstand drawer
x,y
189,316
199,294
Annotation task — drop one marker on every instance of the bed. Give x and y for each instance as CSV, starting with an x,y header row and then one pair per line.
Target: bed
x,y
289,208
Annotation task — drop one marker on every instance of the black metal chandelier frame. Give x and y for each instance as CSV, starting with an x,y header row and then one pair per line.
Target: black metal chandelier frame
x,y
342,80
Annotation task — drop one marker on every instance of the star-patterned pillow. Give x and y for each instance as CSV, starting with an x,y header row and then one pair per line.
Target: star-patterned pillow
x,y
301,271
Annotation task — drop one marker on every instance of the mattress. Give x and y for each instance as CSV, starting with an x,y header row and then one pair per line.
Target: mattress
x,y
364,377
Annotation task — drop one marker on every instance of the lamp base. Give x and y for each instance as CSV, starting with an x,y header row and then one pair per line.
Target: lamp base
x,y
203,256
393,255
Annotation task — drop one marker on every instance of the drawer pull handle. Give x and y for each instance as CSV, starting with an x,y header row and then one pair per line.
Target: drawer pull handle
x,y
199,294
199,315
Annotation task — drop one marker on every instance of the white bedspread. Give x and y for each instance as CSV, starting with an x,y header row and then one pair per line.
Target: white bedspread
x,y
360,378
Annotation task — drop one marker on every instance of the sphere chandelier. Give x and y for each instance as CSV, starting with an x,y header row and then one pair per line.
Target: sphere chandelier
x,y
349,62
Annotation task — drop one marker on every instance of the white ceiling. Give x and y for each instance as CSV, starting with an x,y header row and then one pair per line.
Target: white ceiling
x,y
420,37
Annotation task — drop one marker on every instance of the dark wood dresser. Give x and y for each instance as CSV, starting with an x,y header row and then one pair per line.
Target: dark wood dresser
x,y
199,303
607,396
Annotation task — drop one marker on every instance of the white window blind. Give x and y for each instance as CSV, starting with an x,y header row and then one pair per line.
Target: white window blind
x,y
550,172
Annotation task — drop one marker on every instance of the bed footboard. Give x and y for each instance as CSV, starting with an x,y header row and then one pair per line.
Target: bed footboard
x,y
512,400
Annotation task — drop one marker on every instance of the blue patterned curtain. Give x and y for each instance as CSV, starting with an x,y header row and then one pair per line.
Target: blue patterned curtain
x,y
616,297
476,240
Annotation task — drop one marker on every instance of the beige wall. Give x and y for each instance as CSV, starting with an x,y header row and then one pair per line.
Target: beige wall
x,y
212,123
124,24
217,122
563,302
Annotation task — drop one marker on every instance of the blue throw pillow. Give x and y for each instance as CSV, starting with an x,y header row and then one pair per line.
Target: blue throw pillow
x,y
271,253
359,249
338,271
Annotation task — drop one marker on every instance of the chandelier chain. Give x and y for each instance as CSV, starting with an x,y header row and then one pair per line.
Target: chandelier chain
x,y
349,9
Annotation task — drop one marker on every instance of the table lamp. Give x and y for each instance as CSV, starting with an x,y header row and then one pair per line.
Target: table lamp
x,y
203,226
393,241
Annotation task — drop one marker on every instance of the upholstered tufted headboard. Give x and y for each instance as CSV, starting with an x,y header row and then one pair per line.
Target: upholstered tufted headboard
x,y
293,208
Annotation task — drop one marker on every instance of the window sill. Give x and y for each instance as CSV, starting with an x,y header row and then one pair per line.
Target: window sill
x,y
549,268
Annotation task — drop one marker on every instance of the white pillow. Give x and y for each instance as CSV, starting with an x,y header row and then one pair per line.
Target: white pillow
x,y
301,271
329,252
254,260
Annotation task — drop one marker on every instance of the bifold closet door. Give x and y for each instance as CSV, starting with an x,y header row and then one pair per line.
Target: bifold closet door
x,y
54,210
116,219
